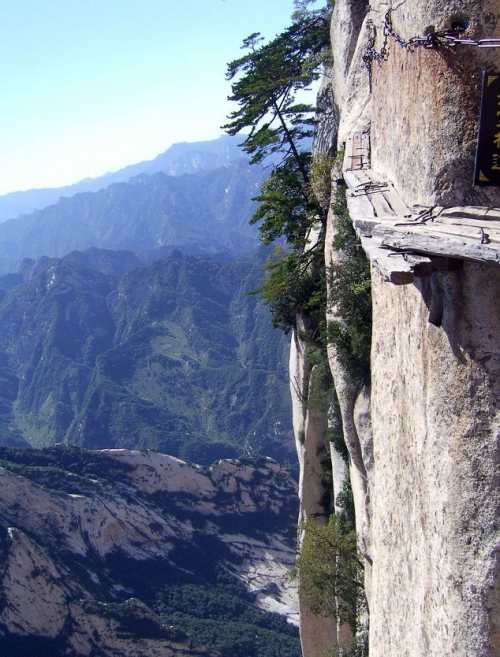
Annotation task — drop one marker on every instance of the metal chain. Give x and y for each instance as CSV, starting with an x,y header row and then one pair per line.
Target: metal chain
x,y
367,188
371,55
450,38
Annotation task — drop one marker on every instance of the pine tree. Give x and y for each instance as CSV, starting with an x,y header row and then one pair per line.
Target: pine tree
x,y
266,83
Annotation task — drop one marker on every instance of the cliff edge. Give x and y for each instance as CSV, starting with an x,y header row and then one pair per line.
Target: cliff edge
x,y
423,437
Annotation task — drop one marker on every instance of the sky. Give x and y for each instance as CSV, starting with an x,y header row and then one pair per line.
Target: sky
x,y
90,86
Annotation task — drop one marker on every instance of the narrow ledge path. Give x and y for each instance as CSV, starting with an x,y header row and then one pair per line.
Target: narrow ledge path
x,y
405,243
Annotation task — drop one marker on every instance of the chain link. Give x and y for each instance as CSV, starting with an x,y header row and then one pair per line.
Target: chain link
x,y
450,38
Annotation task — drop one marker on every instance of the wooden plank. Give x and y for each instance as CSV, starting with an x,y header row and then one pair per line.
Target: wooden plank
x,y
367,148
360,207
422,265
396,268
357,155
359,203
346,164
473,212
432,242
474,233
353,179
385,199
461,221
397,204
403,252
375,196
365,226
380,204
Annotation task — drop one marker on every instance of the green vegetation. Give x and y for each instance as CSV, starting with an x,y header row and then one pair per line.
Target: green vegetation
x,y
293,207
222,617
176,356
335,432
320,382
294,201
63,469
321,178
330,571
350,297
135,620
267,80
358,648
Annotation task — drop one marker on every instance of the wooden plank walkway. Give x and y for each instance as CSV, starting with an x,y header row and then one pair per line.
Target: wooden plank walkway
x,y
402,242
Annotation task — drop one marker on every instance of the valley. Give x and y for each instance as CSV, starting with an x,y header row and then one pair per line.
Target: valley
x,y
132,348
137,552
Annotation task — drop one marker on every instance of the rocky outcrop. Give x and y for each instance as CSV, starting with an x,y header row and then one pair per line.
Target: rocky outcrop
x,y
424,439
310,420
82,555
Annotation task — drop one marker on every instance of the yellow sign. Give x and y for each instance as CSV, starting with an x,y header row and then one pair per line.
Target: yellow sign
x,y
487,171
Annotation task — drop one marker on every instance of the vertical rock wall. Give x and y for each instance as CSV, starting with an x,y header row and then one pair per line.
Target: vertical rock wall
x,y
310,422
425,104
425,468
435,493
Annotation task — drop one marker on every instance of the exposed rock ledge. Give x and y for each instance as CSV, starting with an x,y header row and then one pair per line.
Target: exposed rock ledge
x,y
66,555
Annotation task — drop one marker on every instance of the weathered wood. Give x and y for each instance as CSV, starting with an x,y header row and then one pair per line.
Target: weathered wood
x,y
429,241
404,243
473,212
357,152
352,179
380,204
422,265
399,207
472,232
490,225
365,227
382,196
397,268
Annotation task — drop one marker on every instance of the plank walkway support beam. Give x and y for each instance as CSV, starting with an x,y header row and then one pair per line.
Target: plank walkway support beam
x,y
402,242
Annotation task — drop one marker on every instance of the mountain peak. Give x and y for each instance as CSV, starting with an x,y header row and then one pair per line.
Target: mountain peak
x,y
180,158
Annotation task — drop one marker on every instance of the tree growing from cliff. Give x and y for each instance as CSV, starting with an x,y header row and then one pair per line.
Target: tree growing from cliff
x,y
266,83
330,572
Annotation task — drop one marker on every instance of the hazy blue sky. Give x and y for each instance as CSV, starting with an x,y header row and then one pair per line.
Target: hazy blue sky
x,y
89,86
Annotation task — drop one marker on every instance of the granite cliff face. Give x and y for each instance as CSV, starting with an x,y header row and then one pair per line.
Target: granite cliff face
x,y
101,553
423,440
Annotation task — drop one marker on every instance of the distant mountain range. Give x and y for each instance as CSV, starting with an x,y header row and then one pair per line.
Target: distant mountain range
x,y
127,321
178,159
98,351
207,211
126,318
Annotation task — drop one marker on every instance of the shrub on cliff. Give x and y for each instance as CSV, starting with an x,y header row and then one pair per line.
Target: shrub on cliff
x,y
350,297
330,572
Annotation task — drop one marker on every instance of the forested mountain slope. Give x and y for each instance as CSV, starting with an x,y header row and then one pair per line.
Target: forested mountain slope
x,y
207,211
176,356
